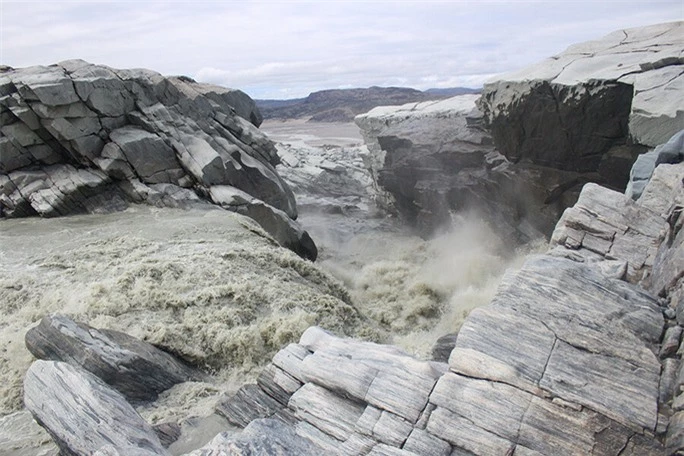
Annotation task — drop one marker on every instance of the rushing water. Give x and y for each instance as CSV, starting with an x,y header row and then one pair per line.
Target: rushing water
x,y
414,290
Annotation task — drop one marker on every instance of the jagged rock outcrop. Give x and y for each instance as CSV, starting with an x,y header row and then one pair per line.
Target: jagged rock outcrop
x,y
77,137
430,159
582,116
83,414
591,107
136,369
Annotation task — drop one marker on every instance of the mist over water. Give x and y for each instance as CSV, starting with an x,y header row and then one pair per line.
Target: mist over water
x,y
415,290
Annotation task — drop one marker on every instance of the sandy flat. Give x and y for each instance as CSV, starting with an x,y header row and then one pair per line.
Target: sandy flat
x,y
315,134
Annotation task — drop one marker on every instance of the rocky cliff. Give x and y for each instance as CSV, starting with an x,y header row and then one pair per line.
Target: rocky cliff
x,y
520,153
76,137
592,106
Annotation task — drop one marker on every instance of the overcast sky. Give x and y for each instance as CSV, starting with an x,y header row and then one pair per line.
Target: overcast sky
x,y
286,49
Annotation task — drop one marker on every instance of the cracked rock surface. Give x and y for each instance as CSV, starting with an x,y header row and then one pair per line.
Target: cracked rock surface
x,y
573,110
83,138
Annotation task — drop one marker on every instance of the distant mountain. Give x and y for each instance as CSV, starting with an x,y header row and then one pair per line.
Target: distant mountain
x,y
341,105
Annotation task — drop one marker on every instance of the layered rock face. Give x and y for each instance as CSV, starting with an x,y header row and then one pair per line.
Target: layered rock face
x,y
77,138
521,152
594,104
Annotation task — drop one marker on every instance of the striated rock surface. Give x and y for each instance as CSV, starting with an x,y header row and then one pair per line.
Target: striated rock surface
x,y
592,106
260,437
77,137
83,414
20,435
136,369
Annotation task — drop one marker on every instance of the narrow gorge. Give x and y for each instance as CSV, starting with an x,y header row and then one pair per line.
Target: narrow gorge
x,y
488,274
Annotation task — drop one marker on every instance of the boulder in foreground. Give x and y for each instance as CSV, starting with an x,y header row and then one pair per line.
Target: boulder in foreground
x,y
83,414
136,369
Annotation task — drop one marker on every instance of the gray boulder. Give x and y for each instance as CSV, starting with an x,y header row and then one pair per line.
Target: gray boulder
x,y
136,369
77,137
645,165
20,435
83,414
275,222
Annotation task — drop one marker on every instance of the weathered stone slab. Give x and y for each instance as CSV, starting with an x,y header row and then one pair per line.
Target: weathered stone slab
x,y
20,435
326,411
502,345
401,385
151,158
277,383
356,444
261,437
590,379
463,434
385,450
561,326
136,369
83,414
290,358
329,444
550,429
422,442
248,404
391,429
492,406
633,231
343,375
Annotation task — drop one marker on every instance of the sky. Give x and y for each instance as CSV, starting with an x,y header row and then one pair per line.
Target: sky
x,y
287,49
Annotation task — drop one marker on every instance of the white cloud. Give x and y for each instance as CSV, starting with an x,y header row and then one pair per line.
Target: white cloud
x,y
289,48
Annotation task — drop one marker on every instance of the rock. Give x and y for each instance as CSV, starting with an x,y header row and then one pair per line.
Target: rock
x,y
671,341
278,384
422,442
442,348
381,375
248,404
275,222
623,231
571,109
96,131
645,165
262,437
168,433
326,411
430,159
20,435
83,414
533,336
136,369
664,190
